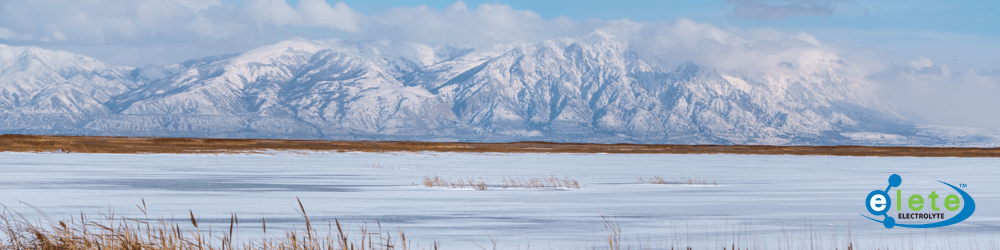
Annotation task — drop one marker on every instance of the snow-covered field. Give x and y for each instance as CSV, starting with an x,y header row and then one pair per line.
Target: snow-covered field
x,y
766,201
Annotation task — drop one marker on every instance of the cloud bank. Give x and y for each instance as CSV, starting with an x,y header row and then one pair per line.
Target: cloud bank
x,y
234,27
935,93
231,27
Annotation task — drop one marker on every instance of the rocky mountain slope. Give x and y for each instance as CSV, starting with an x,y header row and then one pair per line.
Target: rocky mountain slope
x,y
42,90
589,89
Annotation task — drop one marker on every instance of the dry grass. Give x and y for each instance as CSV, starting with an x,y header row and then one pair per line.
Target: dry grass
x,y
614,233
113,232
154,145
435,181
376,165
658,179
551,182
506,182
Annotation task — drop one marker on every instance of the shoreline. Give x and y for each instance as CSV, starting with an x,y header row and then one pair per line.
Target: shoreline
x,y
167,145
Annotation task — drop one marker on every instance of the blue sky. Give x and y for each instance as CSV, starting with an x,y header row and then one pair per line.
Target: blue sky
x,y
972,17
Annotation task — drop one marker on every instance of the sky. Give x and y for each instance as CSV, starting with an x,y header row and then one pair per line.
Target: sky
x,y
936,61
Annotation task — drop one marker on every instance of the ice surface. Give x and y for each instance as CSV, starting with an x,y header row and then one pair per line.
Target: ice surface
x,y
764,199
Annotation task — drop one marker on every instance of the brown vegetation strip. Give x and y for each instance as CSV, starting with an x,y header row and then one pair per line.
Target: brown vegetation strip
x,y
155,145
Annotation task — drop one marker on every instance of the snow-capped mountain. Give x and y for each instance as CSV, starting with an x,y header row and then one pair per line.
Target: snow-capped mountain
x,y
590,89
54,90
597,86
295,88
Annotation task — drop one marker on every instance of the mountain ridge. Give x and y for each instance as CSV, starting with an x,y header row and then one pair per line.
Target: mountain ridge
x,y
596,88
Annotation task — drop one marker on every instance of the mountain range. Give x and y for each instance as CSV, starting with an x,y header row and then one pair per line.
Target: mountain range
x,y
594,88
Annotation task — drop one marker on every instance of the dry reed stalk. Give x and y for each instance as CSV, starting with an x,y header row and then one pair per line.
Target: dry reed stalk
x,y
376,165
614,233
658,179
507,182
474,183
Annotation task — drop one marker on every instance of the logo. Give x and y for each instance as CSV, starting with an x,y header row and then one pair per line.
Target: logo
x,y
879,203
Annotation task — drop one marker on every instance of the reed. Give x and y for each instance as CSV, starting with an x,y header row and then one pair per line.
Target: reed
x,y
379,166
658,179
113,232
551,182
507,182
435,181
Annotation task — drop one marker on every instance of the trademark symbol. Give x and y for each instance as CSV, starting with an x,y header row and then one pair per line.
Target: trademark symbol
x,y
962,185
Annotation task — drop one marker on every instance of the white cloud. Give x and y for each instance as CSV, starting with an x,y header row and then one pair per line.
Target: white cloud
x,y
312,13
58,36
485,25
458,5
753,49
921,63
805,37
199,5
272,12
122,22
8,34
319,13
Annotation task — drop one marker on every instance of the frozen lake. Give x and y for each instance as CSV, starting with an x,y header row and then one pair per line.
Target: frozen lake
x,y
764,200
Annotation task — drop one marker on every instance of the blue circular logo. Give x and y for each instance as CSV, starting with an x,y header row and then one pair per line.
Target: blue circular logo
x,y
878,202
